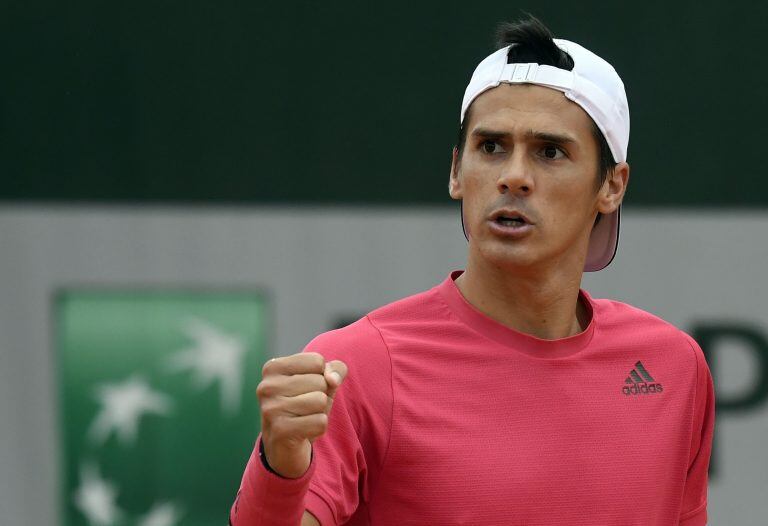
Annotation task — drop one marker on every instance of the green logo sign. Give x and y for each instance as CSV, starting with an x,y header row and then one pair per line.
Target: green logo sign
x,y
157,408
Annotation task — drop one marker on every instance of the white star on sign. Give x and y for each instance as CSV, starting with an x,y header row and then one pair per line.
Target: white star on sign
x,y
161,514
122,405
215,355
95,498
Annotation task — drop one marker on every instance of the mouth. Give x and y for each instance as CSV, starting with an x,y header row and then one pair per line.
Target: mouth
x,y
510,218
510,223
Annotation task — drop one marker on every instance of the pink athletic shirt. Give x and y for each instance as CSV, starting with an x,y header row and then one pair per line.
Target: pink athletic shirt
x,y
449,417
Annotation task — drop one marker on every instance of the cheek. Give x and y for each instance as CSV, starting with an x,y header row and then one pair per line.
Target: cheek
x,y
476,197
477,180
571,204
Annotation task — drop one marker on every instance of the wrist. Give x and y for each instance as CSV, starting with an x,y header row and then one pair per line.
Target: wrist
x,y
265,462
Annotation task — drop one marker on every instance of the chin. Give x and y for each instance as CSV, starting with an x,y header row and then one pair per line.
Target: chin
x,y
508,255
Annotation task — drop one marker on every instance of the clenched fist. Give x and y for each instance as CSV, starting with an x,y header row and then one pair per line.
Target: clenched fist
x,y
296,394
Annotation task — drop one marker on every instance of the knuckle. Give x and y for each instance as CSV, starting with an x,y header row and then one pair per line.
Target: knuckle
x,y
268,366
316,361
268,411
264,390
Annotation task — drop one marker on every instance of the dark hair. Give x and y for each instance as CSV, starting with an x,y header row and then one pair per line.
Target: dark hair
x,y
533,43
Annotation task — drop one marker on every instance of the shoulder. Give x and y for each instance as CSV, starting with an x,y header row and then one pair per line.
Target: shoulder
x,y
612,314
615,317
357,341
364,339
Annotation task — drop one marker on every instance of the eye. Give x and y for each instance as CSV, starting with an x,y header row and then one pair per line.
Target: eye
x,y
552,152
492,147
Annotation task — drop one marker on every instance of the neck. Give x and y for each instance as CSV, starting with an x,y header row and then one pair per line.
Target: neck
x,y
544,304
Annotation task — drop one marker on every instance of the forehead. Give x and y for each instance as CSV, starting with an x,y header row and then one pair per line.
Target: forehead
x,y
521,107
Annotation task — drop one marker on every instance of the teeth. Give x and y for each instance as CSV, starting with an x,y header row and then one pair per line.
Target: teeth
x,y
506,221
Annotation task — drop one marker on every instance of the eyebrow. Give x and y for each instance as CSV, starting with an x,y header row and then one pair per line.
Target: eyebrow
x,y
555,138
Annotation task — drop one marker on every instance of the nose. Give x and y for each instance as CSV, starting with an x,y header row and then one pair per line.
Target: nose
x,y
516,175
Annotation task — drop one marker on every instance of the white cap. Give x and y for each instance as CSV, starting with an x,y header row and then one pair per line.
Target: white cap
x,y
594,85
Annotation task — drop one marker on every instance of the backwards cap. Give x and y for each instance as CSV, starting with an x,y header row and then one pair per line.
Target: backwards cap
x,y
594,85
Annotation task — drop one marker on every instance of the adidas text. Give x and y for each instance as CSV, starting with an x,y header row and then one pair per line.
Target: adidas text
x,y
644,388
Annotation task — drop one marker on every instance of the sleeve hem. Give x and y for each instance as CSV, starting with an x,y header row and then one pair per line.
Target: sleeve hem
x,y
274,479
697,517
318,506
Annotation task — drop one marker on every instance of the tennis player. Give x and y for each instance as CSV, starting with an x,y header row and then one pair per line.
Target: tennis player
x,y
504,395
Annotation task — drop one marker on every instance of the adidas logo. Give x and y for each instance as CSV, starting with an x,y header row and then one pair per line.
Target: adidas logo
x,y
640,385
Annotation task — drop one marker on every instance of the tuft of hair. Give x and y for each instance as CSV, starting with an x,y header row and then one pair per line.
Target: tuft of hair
x,y
532,43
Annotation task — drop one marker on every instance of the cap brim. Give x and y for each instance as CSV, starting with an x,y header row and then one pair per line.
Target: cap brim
x,y
603,242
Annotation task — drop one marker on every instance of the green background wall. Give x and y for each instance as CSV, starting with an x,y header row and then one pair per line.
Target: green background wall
x,y
257,102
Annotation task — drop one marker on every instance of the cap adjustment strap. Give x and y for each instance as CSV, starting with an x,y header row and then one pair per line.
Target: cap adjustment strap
x,y
538,74
519,72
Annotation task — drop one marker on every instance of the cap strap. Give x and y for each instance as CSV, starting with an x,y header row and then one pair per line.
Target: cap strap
x,y
537,74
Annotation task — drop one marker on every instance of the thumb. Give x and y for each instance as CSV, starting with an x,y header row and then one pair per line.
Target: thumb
x,y
335,372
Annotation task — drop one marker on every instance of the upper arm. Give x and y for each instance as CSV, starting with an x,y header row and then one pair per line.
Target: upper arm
x,y
309,520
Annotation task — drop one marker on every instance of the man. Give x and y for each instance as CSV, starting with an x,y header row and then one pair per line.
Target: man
x,y
505,395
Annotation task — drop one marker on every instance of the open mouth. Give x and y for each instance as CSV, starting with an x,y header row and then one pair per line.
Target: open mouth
x,y
512,221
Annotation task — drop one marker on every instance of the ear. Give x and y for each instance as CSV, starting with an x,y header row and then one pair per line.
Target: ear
x,y
454,181
612,192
